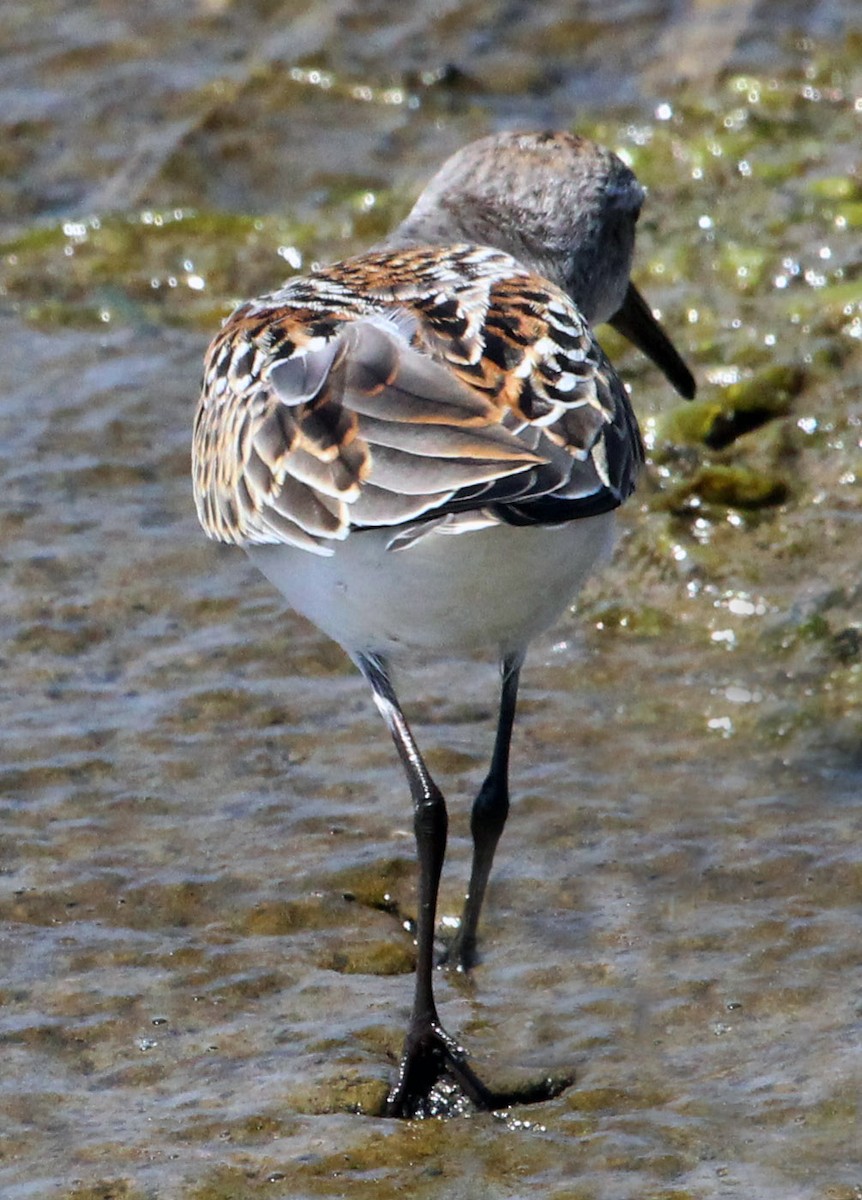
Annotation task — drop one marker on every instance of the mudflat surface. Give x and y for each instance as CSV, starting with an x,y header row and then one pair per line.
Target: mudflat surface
x,y
203,823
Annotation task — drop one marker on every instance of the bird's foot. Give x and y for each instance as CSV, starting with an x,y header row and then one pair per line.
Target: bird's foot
x,y
434,1080
460,953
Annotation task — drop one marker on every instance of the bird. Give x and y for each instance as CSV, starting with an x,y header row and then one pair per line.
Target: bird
x,y
423,447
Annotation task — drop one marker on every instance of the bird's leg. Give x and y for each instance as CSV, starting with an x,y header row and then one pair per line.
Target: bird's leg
x,y
430,1054
433,1065
490,809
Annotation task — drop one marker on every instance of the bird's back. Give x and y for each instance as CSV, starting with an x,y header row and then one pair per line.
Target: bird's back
x,y
412,390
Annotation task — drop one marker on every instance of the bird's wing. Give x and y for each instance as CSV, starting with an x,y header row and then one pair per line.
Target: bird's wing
x,y
379,394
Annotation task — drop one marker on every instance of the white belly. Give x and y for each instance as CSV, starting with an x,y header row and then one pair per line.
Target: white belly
x,y
492,589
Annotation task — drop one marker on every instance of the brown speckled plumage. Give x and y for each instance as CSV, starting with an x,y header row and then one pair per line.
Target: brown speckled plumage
x,y
457,366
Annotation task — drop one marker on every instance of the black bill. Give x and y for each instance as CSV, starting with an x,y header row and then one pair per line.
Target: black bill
x,y
636,322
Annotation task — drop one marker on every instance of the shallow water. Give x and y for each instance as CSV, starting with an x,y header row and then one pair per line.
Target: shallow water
x,y
206,846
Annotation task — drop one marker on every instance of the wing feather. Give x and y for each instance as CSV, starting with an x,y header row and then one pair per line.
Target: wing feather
x,y
403,388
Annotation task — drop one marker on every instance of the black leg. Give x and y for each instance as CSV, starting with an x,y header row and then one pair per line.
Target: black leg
x,y
490,809
430,1054
433,1078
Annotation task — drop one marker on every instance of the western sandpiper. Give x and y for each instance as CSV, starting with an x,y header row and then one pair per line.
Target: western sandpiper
x,y
422,447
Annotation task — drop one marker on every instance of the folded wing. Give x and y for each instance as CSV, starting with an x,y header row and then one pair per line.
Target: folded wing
x,y
425,409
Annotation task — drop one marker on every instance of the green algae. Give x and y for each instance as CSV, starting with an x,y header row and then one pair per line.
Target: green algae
x,y
109,1189
178,265
730,486
737,409
371,958
348,1090
277,918
379,884
638,620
